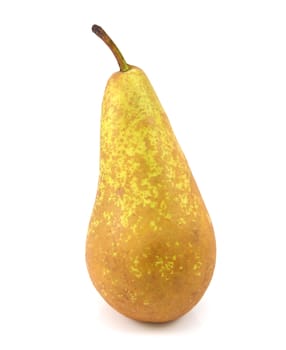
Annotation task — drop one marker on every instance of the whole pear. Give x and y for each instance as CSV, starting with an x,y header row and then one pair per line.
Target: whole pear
x,y
150,249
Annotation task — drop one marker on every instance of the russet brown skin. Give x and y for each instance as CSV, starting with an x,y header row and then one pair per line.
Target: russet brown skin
x,y
150,248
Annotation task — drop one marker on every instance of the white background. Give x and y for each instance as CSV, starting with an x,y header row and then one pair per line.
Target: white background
x,y
219,68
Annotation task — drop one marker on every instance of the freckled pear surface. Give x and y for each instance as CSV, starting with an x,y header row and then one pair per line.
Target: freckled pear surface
x,y
150,248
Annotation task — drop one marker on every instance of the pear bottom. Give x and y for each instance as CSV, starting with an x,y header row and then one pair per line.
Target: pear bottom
x,y
155,278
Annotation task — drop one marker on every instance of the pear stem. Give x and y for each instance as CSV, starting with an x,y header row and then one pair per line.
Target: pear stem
x,y
118,55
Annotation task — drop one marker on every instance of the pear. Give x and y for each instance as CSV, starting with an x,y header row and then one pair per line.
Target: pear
x,y
150,248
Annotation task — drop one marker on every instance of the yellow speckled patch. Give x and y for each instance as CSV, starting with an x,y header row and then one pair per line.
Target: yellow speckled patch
x,y
138,151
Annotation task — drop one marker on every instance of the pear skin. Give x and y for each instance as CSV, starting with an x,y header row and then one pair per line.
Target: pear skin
x,y
150,248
